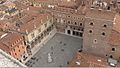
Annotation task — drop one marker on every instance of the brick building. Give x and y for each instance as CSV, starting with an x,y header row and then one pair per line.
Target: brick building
x,y
68,23
98,27
68,20
96,21
13,44
93,21
101,32
6,26
35,30
113,40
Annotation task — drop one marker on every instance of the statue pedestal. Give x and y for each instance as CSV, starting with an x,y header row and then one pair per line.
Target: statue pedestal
x,y
49,58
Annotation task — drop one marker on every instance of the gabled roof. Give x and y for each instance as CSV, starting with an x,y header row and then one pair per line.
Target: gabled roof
x,y
10,38
34,23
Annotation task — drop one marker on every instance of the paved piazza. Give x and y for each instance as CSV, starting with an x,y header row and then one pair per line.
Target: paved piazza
x,y
60,50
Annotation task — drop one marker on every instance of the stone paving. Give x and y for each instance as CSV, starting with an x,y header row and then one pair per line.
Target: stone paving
x,y
60,49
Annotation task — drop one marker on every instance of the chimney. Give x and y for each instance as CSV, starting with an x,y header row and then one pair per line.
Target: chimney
x,y
18,29
34,26
26,31
76,11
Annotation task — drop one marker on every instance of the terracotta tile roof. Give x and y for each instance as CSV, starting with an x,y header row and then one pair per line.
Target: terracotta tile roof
x,y
1,33
61,9
32,11
10,38
19,5
86,60
62,3
3,0
12,18
4,25
34,23
66,10
46,1
100,14
68,4
8,3
26,19
4,47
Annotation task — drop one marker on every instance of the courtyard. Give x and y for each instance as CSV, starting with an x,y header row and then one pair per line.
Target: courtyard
x,y
60,50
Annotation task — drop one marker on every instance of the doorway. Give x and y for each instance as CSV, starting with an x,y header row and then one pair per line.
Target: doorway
x,y
68,32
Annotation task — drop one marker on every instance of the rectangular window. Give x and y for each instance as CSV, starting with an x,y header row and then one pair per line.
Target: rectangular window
x,y
73,32
81,34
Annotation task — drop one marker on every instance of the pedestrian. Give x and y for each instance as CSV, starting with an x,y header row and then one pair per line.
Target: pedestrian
x,y
60,42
